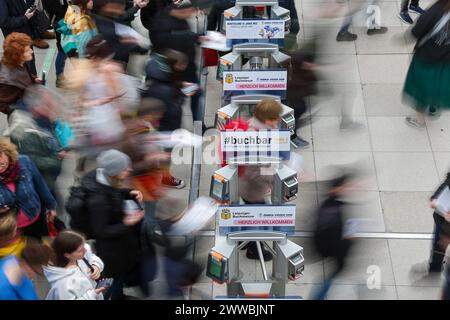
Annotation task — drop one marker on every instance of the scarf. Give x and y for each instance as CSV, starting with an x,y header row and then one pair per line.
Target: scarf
x,y
11,174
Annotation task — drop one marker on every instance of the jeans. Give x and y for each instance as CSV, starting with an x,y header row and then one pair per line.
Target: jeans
x,y
149,218
60,62
405,3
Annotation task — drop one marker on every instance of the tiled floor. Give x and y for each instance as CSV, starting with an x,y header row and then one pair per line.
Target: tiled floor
x,y
403,166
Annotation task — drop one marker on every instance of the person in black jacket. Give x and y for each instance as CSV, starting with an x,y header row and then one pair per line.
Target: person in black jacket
x,y
151,11
441,228
426,84
329,237
163,78
108,13
171,30
117,233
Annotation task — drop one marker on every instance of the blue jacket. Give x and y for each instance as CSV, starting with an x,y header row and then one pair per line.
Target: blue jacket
x,y
20,291
32,192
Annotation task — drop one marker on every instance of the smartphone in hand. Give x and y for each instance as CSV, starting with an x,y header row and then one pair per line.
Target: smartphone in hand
x,y
105,283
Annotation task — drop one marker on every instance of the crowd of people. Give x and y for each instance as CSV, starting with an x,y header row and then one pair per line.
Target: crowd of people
x,y
120,197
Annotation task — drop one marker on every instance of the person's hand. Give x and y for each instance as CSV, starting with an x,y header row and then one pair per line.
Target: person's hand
x,y
62,154
447,216
38,80
140,3
100,290
96,273
132,219
434,203
137,195
203,39
51,215
29,13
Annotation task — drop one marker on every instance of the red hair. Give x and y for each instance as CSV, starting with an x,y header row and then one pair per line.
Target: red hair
x,y
13,49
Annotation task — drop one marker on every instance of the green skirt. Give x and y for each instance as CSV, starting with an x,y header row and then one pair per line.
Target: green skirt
x,y
427,85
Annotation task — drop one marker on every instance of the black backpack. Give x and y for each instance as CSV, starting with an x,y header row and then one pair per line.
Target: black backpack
x,y
76,207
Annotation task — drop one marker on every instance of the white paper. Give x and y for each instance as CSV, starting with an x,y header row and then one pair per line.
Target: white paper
x,y
217,41
203,209
443,202
127,32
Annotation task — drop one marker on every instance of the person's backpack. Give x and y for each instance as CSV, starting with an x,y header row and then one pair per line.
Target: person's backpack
x,y
76,207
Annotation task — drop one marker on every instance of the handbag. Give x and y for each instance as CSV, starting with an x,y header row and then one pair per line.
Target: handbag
x,y
40,21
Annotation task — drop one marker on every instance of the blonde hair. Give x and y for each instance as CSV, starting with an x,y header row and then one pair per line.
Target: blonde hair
x,y
268,109
9,149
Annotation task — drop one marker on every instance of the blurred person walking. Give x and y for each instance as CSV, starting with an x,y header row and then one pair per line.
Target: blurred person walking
x,y
171,30
22,187
73,269
425,88
117,233
15,74
441,230
16,271
164,82
330,236
32,130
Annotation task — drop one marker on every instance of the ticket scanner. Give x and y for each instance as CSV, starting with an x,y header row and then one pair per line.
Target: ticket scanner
x,y
243,107
225,181
223,263
255,53
274,13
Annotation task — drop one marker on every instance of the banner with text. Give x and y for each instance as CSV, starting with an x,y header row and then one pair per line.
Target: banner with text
x,y
269,143
246,217
266,31
255,82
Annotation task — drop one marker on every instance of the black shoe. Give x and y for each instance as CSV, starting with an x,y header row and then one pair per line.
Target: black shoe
x,y
380,30
346,36
416,9
253,254
405,17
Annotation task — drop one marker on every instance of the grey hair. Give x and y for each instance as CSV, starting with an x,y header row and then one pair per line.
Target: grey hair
x,y
35,94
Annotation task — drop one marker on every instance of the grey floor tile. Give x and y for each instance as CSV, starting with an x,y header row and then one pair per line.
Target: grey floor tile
x,y
384,100
328,137
327,35
339,68
364,255
326,163
419,293
406,171
439,132
374,68
333,97
393,134
407,211
406,253
359,292
305,291
442,163
201,291
367,206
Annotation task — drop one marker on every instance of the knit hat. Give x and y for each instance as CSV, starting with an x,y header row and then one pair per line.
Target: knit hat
x,y
113,162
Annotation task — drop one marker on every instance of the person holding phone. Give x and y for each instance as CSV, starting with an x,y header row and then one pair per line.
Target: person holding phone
x,y
74,269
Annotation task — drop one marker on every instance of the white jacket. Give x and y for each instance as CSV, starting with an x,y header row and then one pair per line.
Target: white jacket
x,y
73,283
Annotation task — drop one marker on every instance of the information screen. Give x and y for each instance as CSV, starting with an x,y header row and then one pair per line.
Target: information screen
x,y
215,267
217,189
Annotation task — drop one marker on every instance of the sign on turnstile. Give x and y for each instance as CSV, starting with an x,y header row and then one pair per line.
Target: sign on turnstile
x,y
238,217
255,82
265,31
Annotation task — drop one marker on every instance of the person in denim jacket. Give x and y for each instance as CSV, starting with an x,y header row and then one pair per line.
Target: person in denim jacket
x,y
23,188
